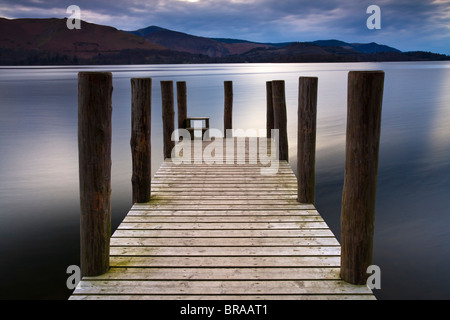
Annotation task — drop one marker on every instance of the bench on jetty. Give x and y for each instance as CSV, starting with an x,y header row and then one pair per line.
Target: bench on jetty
x,y
193,129
221,230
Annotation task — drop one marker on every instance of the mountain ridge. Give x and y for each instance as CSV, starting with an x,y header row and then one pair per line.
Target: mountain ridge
x,y
220,47
50,42
184,42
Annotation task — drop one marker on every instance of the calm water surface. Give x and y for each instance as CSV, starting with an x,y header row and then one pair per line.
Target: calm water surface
x,y
39,201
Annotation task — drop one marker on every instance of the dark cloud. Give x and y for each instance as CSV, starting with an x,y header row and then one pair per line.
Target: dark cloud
x,y
406,24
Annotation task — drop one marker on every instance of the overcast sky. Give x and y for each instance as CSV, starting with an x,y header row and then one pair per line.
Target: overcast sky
x,y
405,24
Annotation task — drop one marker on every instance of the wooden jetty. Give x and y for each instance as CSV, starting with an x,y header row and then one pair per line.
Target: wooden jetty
x,y
224,230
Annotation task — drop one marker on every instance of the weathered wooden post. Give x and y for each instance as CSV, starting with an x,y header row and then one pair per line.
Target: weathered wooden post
x,y
269,112
168,116
94,152
228,108
306,144
280,117
181,104
141,96
365,95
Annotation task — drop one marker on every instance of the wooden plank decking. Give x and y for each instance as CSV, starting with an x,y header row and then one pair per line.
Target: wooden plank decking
x,y
222,231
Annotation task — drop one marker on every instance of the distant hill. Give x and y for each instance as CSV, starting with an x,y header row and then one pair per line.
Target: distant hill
x,y
300,52
183,42
223,47
50,42
311,52
359,47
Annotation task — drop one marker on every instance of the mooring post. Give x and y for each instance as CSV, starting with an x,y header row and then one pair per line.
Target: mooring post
x,y
280,117
306,144
228,107
365,96
269,111
94,152
181,104
141,96
168,116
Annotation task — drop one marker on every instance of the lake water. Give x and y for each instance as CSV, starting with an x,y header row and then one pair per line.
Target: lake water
x,y
39,199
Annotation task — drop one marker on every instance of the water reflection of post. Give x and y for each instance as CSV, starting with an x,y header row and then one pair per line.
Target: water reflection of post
x,y
365,95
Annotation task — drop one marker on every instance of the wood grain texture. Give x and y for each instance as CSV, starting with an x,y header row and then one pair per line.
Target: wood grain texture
x,y
229,242
181,104
224,288
306,135
365,96
262,273
208,233
222,232
269,110
140,142
280,117
168,117
228,106
94,149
